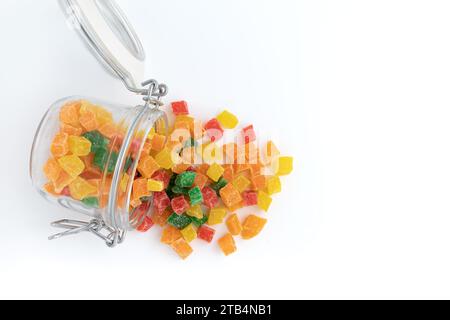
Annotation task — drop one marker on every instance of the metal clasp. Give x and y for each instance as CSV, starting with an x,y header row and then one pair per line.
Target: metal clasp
x,y
96,227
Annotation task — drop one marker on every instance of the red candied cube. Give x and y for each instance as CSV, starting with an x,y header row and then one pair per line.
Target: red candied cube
x,y
180,205
206,233
250,198
249,134
214,130
161,201
210,198
146,225
180,108
163,176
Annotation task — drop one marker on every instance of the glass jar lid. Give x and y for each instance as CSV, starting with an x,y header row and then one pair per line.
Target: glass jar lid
x,y
107,32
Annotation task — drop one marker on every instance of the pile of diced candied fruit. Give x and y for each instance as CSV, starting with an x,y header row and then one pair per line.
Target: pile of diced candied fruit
x,y
187,182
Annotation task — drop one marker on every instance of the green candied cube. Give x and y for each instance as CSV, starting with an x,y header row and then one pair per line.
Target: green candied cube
x,y
186,179
196,196
97,140
219,185
179,222
112,162
177,190
199,222
100,158
91,202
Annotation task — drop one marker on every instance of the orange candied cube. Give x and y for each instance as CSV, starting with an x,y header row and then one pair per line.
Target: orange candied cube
x,y
259,182
180,168
234,225
170,235
91,173
147,166
71,130
158,142
147,148
140,189
161,218
203,169
182,248
60,145
252,226
69,113
227,244
52,170
229,172
96,183
236,207
50,189
89,121
230,195
108,129
201,180
63,181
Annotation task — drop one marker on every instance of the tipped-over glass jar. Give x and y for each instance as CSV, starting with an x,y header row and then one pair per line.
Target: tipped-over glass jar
x,y
85,157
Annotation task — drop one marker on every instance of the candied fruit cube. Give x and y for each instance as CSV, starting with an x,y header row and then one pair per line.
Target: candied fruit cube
x,y
230,195
164,159
206,233
264,201
72,165
170,234
210,198
140,189
180,205
234,225
80,189
214,130
182,248
250,198
146,225
284,166
274,185
79,146
89,121
69,113
155,185
259,182
163,176
63,181
241,183
160,218
249,134
228,120
186,179
195,212
178,221
52,170
196,196
71,130
158,142
60,145
180,108
109,130
215,172
216,216
147,166
189,233
227,244
201,180
252,226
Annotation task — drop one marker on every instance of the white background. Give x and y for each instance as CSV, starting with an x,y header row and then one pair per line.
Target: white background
x,y
357,91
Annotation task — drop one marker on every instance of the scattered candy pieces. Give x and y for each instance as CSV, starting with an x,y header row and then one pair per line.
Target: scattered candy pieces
x,y
185,182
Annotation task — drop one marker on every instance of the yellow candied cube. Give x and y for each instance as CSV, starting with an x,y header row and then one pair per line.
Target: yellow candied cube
x,y
80,189
274,185
79,146
241,183
189,233
164,159
264,201
215,172
155,185
195,211
284,166
72,165
217,216
228,120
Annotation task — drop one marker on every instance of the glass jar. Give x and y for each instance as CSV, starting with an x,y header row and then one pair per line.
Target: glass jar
x,y
86,152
